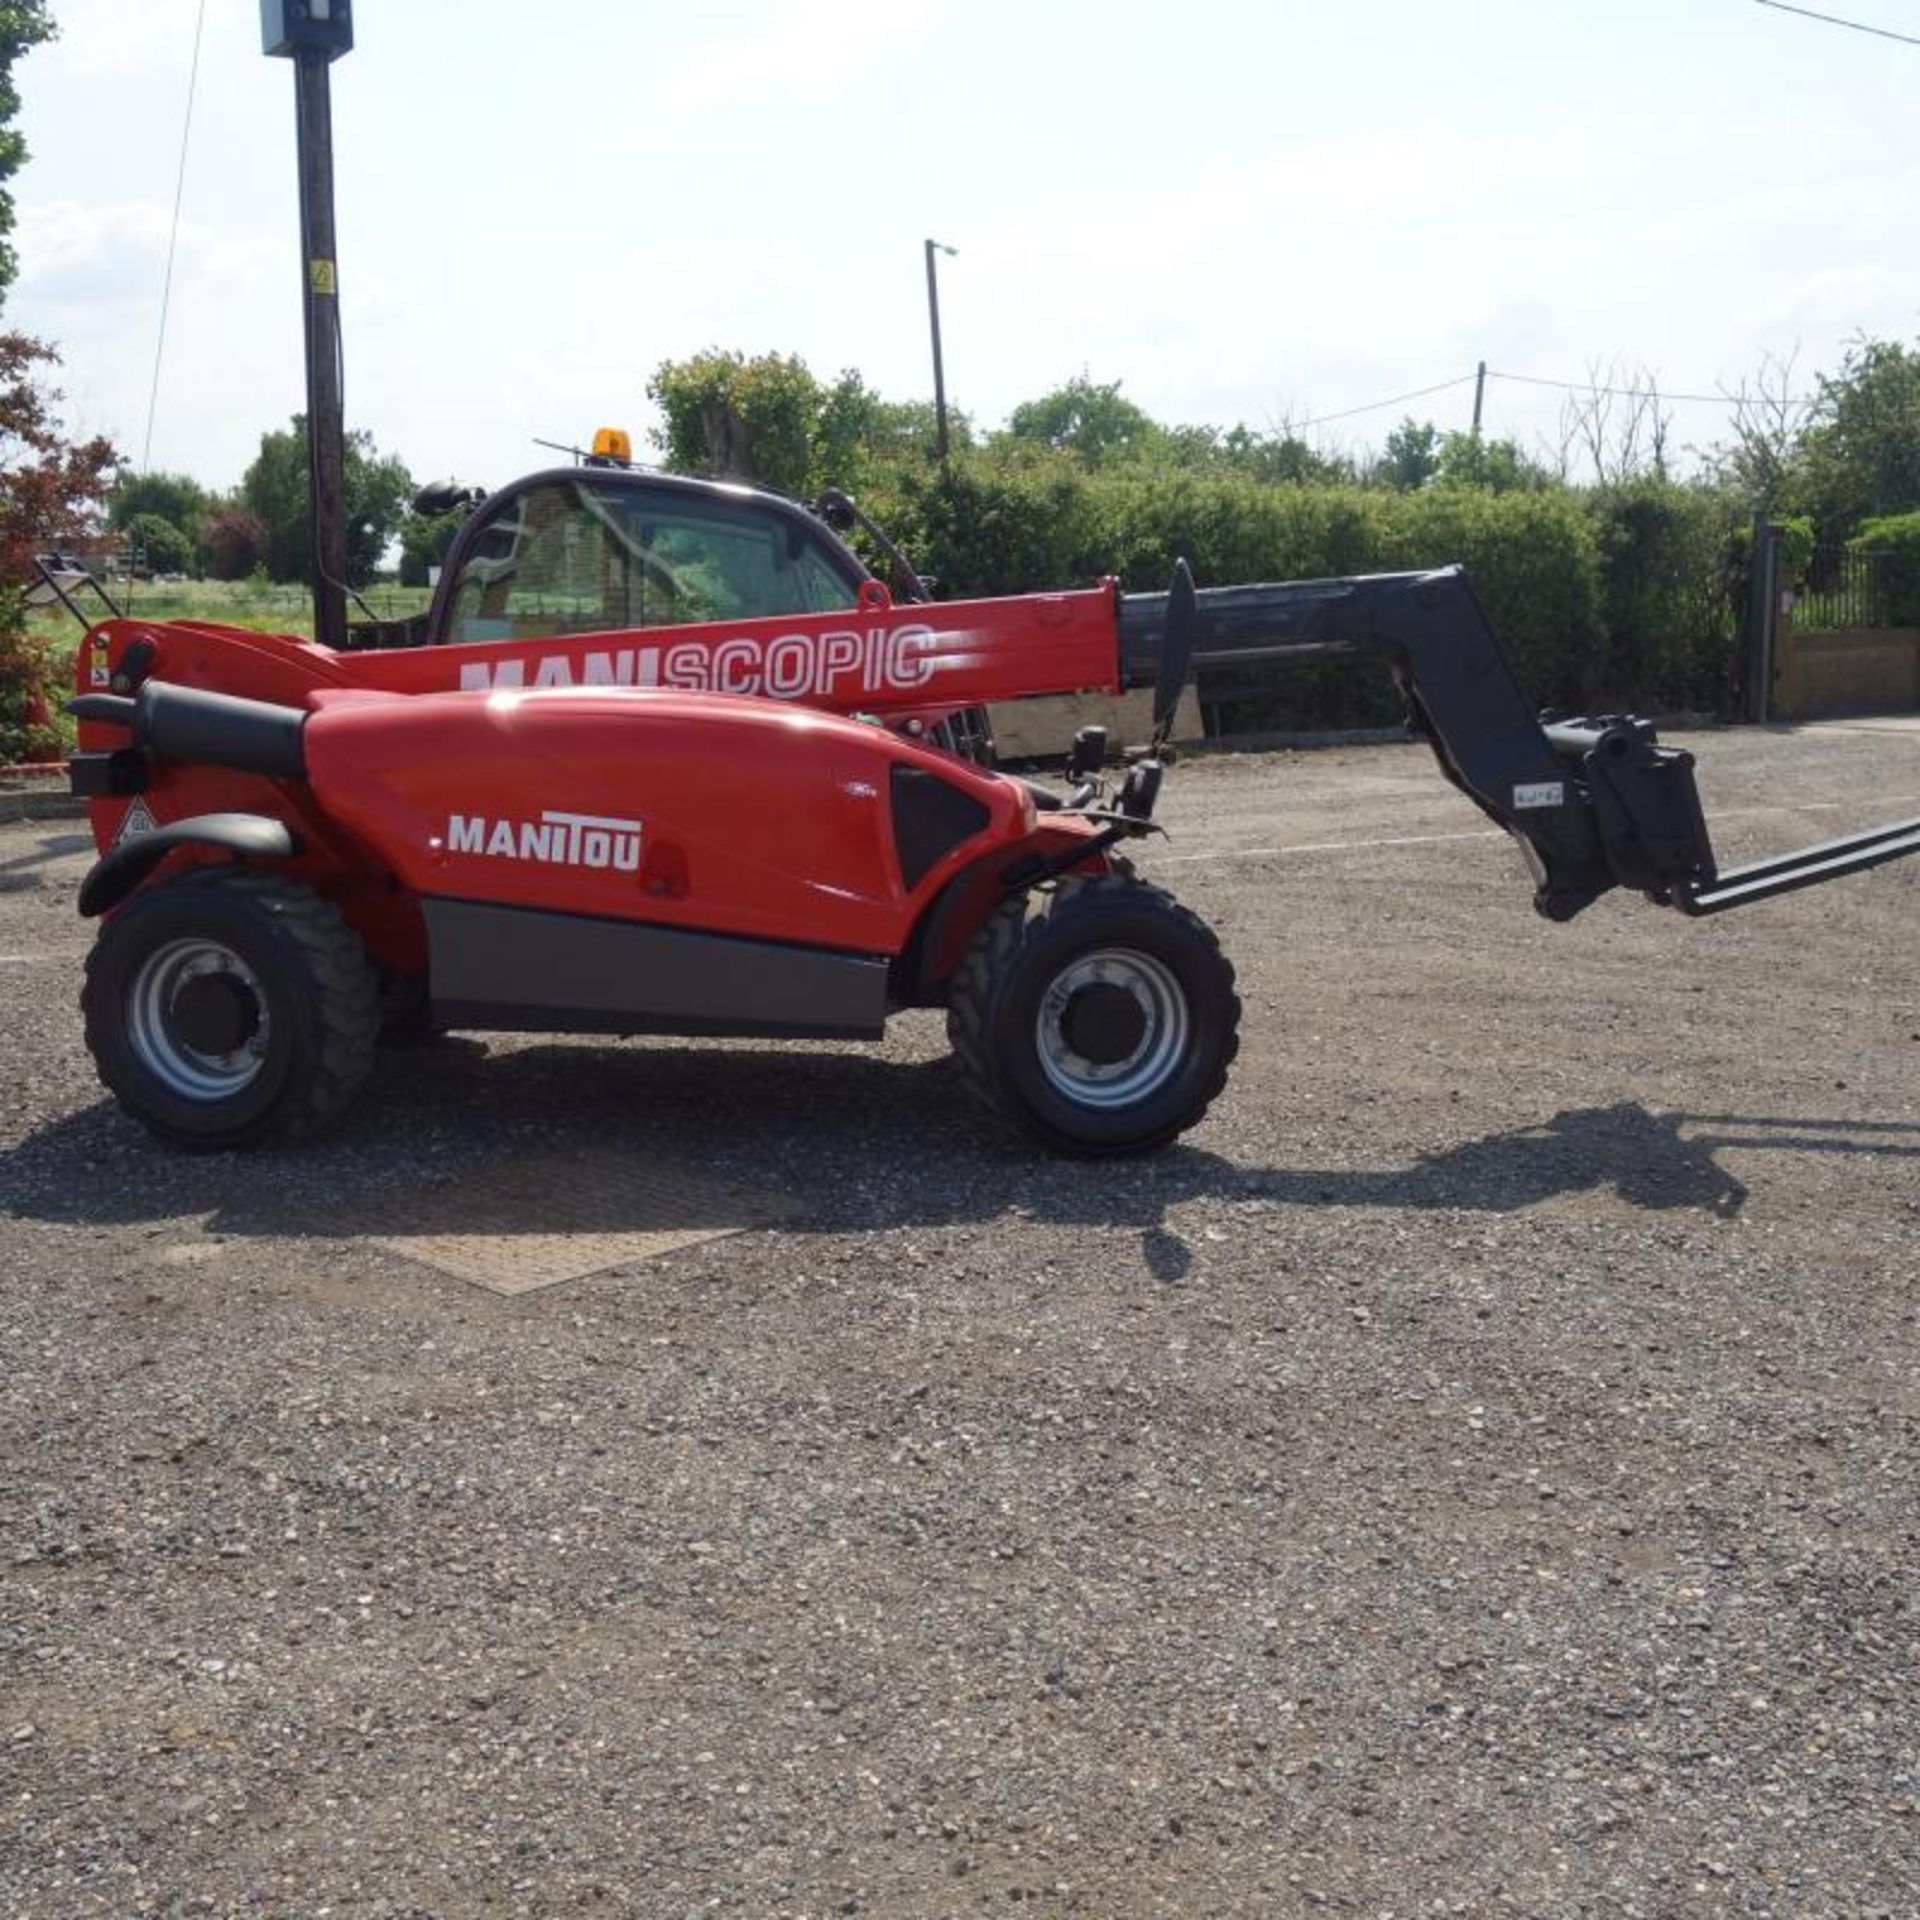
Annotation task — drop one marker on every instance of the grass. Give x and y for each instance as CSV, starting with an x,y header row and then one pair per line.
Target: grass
x,y
259,605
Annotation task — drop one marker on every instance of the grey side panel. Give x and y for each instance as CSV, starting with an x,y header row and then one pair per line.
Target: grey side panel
x,y
519,969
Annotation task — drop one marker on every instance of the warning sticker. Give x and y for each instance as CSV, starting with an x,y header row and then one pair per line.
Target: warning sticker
x,y
135,821
1542,793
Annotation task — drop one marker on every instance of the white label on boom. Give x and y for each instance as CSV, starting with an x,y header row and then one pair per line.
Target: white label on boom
x,y
1544,793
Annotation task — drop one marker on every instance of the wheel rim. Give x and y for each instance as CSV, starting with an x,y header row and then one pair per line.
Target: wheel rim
x,y
1160,1016
197,1019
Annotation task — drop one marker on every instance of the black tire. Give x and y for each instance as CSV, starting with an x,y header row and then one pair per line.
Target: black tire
x,y
1100,1016
406,1012
230,1008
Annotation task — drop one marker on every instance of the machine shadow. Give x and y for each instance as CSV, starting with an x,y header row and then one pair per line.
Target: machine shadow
x,y
845,1141
21,869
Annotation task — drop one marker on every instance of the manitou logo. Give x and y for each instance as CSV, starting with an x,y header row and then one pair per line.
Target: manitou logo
x,y
558,839
795,666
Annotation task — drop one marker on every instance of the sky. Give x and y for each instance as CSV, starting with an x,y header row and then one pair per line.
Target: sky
x,y
1264,213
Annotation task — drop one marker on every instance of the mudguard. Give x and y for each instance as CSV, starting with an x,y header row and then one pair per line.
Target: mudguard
x,y
249,835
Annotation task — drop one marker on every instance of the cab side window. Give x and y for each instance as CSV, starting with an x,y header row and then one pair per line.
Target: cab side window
x,y
589,555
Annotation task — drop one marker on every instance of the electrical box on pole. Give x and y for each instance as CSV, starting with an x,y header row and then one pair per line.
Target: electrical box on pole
x,y
313,34
291,27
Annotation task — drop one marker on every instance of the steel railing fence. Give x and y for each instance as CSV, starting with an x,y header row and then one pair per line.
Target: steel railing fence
x,y
1844,588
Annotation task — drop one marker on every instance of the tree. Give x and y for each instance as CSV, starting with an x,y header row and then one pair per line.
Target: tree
x,y
1861,452
49,492
1411,457
424,540
274,490
1093,422
739,419
768,420
166,513
1281,457
1763,460
1499,466
174,497
856,431
49,488
158,545
236,542
46,486
24,24
1619,423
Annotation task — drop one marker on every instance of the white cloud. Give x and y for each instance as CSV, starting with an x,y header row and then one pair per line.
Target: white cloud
x,y
65,237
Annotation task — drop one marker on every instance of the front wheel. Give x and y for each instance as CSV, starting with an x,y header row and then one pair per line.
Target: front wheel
x,y
230,1008
1100,1016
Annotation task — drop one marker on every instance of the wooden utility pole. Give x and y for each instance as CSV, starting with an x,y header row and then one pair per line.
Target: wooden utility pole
x,y
313,34
326,419
1479,396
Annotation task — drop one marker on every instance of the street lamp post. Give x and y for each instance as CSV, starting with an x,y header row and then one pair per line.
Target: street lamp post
x,y
939,368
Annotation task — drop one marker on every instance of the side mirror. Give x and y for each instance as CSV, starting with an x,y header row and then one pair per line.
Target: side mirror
x,y
837,510
446,496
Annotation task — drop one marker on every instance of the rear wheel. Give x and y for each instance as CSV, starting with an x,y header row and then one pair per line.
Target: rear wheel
x,y
230,1008
1100,1016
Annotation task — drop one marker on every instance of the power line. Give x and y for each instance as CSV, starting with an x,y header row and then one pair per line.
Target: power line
x,y
1374,406
173,237
1834,20
1651,391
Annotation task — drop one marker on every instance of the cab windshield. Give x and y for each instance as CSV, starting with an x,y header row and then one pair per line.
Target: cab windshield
x,y
578,555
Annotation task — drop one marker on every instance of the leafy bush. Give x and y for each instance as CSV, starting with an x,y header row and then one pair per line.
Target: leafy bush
x,y
27,729
160,545
1897,537
1794,544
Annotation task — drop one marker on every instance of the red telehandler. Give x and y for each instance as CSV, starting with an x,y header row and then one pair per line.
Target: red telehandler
x,y
665,758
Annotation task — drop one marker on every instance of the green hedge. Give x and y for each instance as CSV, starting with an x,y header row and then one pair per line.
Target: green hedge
x,y
1673,592
1625,598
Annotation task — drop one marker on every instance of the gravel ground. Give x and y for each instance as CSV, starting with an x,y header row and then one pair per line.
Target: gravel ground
x,y
1475,1475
